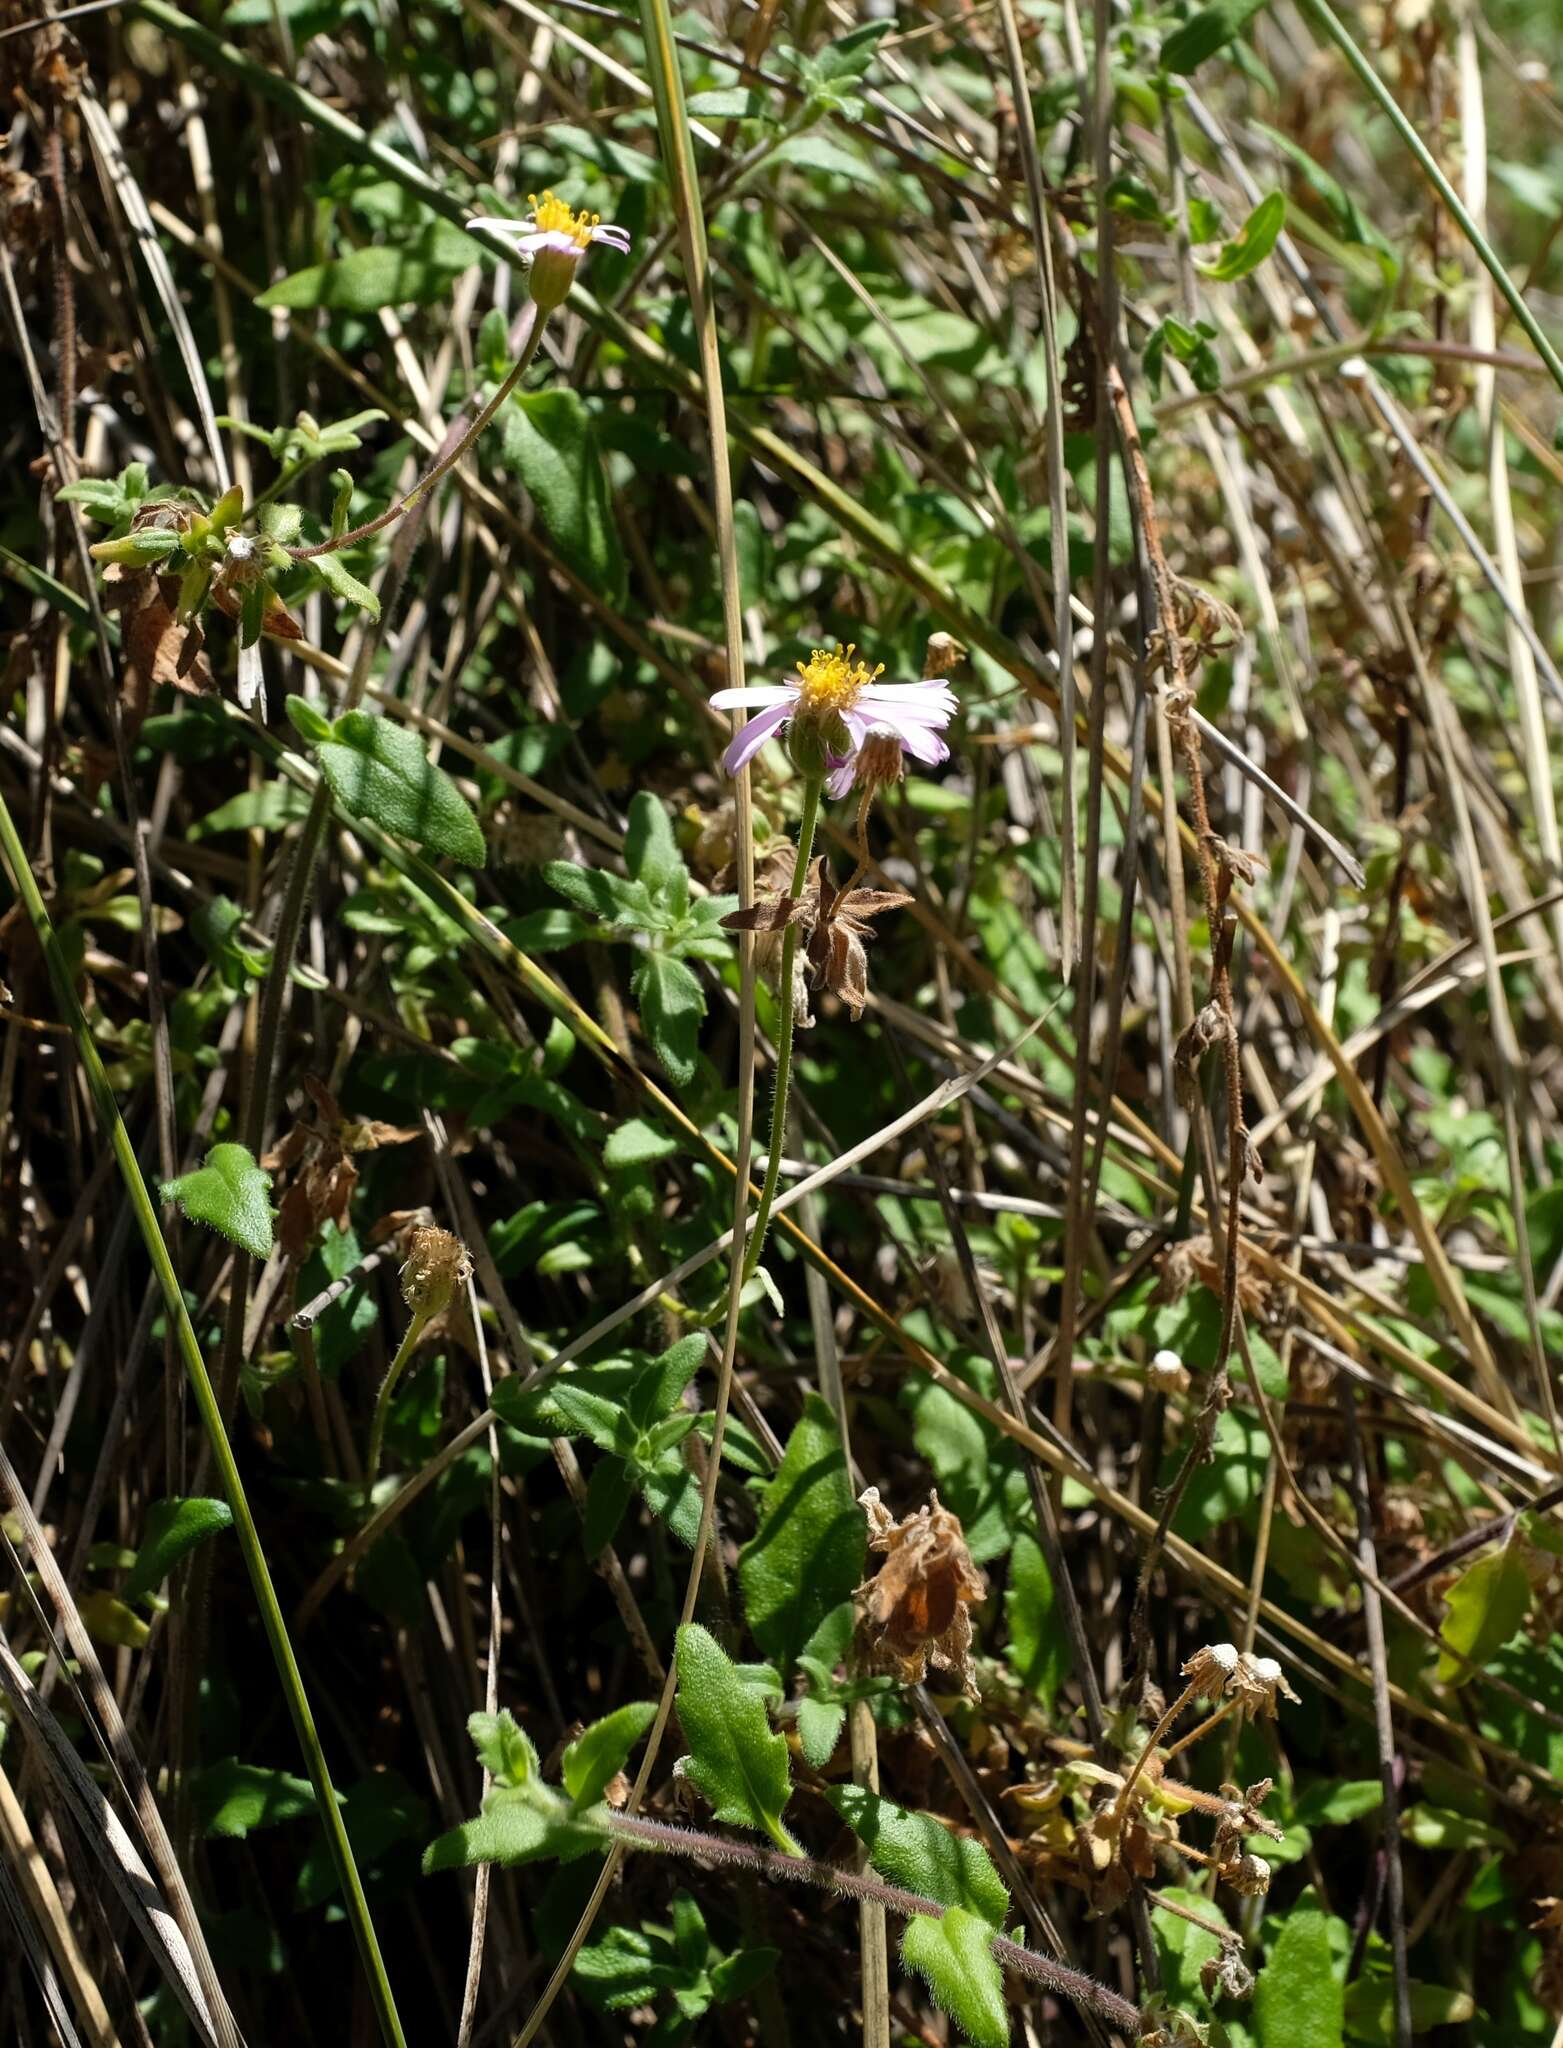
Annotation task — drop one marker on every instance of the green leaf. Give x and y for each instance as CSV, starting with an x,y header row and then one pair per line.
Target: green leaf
x,y
919,1853
806,1554
608,1493
504,1748
508,1831
1370,2010
1257,237
380,1811
306,721
637,1143
1191,347
955,1958
109,1620
1485,1606
819,1730
545,931
233,1799
550,441
623,903
671,1490
658,1387
1213,27
1183,1947
672,1009
1038,1650
1298,2002
723,103
173,1527
650,851
628,1967
602,1749
379,770
1437,1827
735,1976
416,273
736,1759
342,583
593,1416
229,1194
1332,1803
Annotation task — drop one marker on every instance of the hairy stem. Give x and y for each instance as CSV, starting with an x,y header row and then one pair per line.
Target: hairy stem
x,y
446,463
382,1406
1081,1990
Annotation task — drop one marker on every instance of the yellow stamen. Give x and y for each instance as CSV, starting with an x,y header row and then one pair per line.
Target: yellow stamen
x,y
832,683
551,216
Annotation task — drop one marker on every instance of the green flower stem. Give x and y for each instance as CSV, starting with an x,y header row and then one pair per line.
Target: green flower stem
x,y
147,1220
382,1406
773,1158
1335,30
447,463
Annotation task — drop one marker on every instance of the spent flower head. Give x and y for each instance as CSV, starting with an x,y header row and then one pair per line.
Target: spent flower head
x,y
1213,1669
437,1264
1261,1683
556,238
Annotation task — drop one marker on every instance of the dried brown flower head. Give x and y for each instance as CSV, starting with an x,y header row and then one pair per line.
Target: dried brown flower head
x,y
1249,1876
1225,1974
1213,1669
321,1176
1167,1373
437,1264
914,1609
943,653
835,926
1261,1684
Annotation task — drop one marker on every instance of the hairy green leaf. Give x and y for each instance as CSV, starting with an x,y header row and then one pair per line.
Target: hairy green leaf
x,y
1484,1607
919,1853
412,273
736,1759
806,1554
1298,2001
233,1798
1038,1650
601,1750
672,1009
173,1527
954,1957
379,770
637,1142
230,1194
549,440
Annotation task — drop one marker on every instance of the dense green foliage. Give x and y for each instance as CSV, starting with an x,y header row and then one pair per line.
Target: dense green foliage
x,y
1094,1568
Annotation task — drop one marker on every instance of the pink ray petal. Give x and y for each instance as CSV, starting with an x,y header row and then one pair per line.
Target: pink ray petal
x,y
754,735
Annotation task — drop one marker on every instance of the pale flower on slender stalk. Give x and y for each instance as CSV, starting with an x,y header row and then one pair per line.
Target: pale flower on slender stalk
x,y
842,720
845,700
556,238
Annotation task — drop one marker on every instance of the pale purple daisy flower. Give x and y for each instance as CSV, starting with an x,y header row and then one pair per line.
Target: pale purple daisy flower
x,y
556,239
837,693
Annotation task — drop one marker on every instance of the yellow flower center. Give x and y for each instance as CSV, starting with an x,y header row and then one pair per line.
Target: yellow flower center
x,y
551,216
832,682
